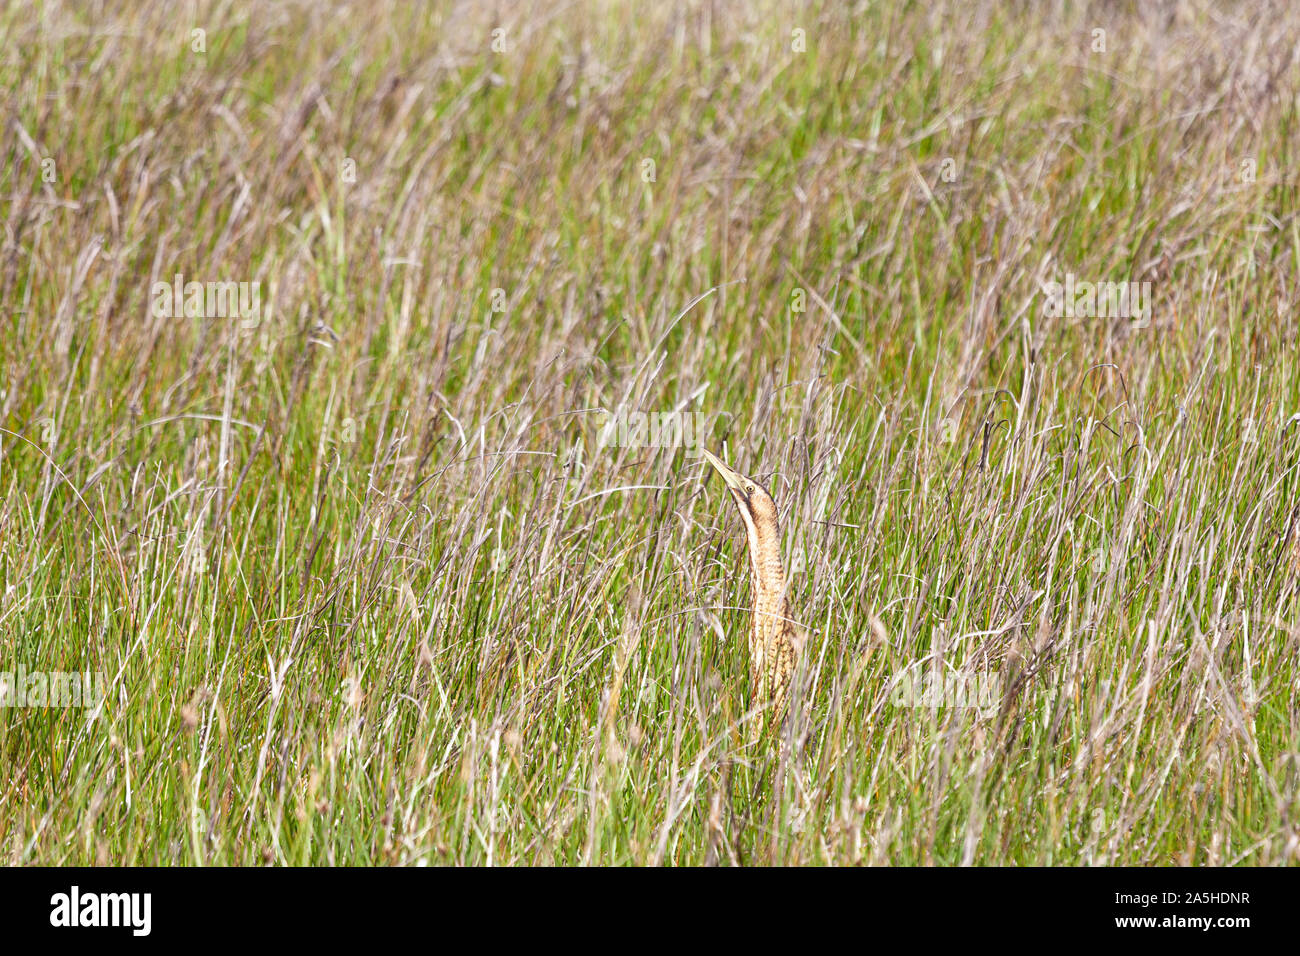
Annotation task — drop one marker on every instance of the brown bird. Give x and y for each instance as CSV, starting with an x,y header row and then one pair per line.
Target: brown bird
x,y
774,639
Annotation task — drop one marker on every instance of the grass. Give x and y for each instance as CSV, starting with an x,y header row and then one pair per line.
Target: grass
x,y
364,585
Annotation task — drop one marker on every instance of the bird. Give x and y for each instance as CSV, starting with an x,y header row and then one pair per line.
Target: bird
x,y
775,641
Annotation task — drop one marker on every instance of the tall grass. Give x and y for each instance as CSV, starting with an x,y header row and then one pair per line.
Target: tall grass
x,y
367,588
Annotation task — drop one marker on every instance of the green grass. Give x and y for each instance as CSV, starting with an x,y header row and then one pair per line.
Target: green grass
x,y
366,589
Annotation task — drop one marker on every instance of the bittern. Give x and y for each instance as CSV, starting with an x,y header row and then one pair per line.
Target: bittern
x,y
774,639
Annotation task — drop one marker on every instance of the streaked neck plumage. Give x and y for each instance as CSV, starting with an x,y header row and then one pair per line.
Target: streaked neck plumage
x,y
766,577
774,640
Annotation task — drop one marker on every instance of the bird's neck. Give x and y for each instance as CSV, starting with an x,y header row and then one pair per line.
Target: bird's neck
x,y
767,578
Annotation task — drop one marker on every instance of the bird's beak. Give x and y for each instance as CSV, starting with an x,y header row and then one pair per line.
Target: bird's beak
x,y
734,479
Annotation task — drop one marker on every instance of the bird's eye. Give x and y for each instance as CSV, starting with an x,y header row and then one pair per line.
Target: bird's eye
x,y
749,489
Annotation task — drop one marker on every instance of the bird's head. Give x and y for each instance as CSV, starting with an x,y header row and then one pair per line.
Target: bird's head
x,y
757,509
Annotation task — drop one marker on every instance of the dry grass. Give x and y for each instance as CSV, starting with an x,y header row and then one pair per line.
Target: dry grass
x,y
366,588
